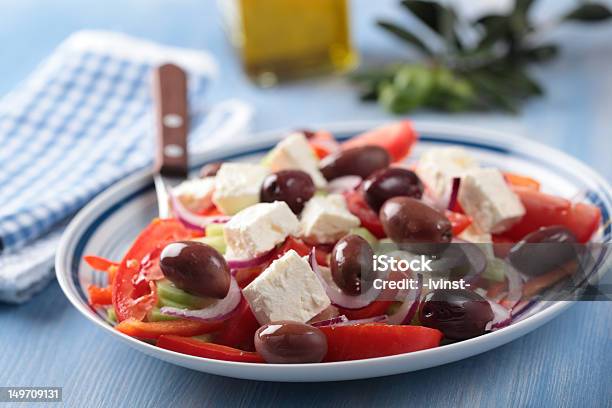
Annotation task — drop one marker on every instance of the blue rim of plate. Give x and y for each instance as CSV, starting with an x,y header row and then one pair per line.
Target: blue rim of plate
x,y
91,216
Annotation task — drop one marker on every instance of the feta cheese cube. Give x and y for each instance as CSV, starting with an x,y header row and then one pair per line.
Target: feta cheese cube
x,y
326,219
237,186
294,153
438,166
196,194
287,290
485,196
475,235
258,229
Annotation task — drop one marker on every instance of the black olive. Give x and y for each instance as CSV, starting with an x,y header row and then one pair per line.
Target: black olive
x,y
287,342
351,264
458,313
358,161
410,221
294,187
196,268
543,250
391,182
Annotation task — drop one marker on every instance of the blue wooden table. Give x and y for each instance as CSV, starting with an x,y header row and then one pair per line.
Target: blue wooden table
x,y
566,363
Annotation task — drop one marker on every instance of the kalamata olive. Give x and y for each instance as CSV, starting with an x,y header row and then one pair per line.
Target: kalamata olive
x,y
410,221
391,182
210,169
294,187
458,313
196,268
351,264
543,250
358,161
286,342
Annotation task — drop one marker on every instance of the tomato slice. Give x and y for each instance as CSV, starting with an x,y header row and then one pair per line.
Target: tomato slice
x,y
153,330
544,210
200,348
369,219
303,250
239,330
134,294
376,308
377,340
397,138
458,221
322,142
518,180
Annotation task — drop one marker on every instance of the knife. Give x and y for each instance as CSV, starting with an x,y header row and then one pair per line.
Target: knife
x,y
172,120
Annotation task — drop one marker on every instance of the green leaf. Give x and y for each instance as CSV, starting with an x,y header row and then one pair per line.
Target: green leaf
x,y
439,18
590,12
427,11
496,27
406,36
523,6
541,53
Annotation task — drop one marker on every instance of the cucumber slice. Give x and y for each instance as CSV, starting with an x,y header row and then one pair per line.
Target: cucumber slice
x,y
214,230
365,234
215,241
495,270
111,316
156,316
170,295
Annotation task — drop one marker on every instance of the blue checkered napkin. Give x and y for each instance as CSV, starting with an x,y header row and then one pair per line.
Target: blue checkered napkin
x,y
80,122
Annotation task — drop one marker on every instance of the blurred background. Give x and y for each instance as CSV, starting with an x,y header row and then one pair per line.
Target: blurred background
x,y
578,83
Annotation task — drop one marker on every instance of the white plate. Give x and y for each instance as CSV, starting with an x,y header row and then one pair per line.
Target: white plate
x,y
107,226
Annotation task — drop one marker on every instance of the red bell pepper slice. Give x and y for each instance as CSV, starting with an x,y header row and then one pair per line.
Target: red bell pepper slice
x,y
369,219
239,330
212,211
376,308
200,348
153,330
458,221
544,210
98,263
134,295
100,296
518,180
397,138
377,340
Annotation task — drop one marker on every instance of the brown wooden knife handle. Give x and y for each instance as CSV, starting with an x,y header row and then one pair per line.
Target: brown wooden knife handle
x,y
172,119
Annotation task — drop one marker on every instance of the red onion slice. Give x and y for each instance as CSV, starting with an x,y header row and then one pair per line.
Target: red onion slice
x,y
501,317
249,263
336,295
410,305
194,221
343,184
452,200
216,311
330,322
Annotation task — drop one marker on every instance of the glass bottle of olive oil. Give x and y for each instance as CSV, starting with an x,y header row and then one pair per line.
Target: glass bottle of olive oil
x,y
285,39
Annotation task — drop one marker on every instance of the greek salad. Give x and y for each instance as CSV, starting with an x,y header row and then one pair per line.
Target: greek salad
x,y
272,261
